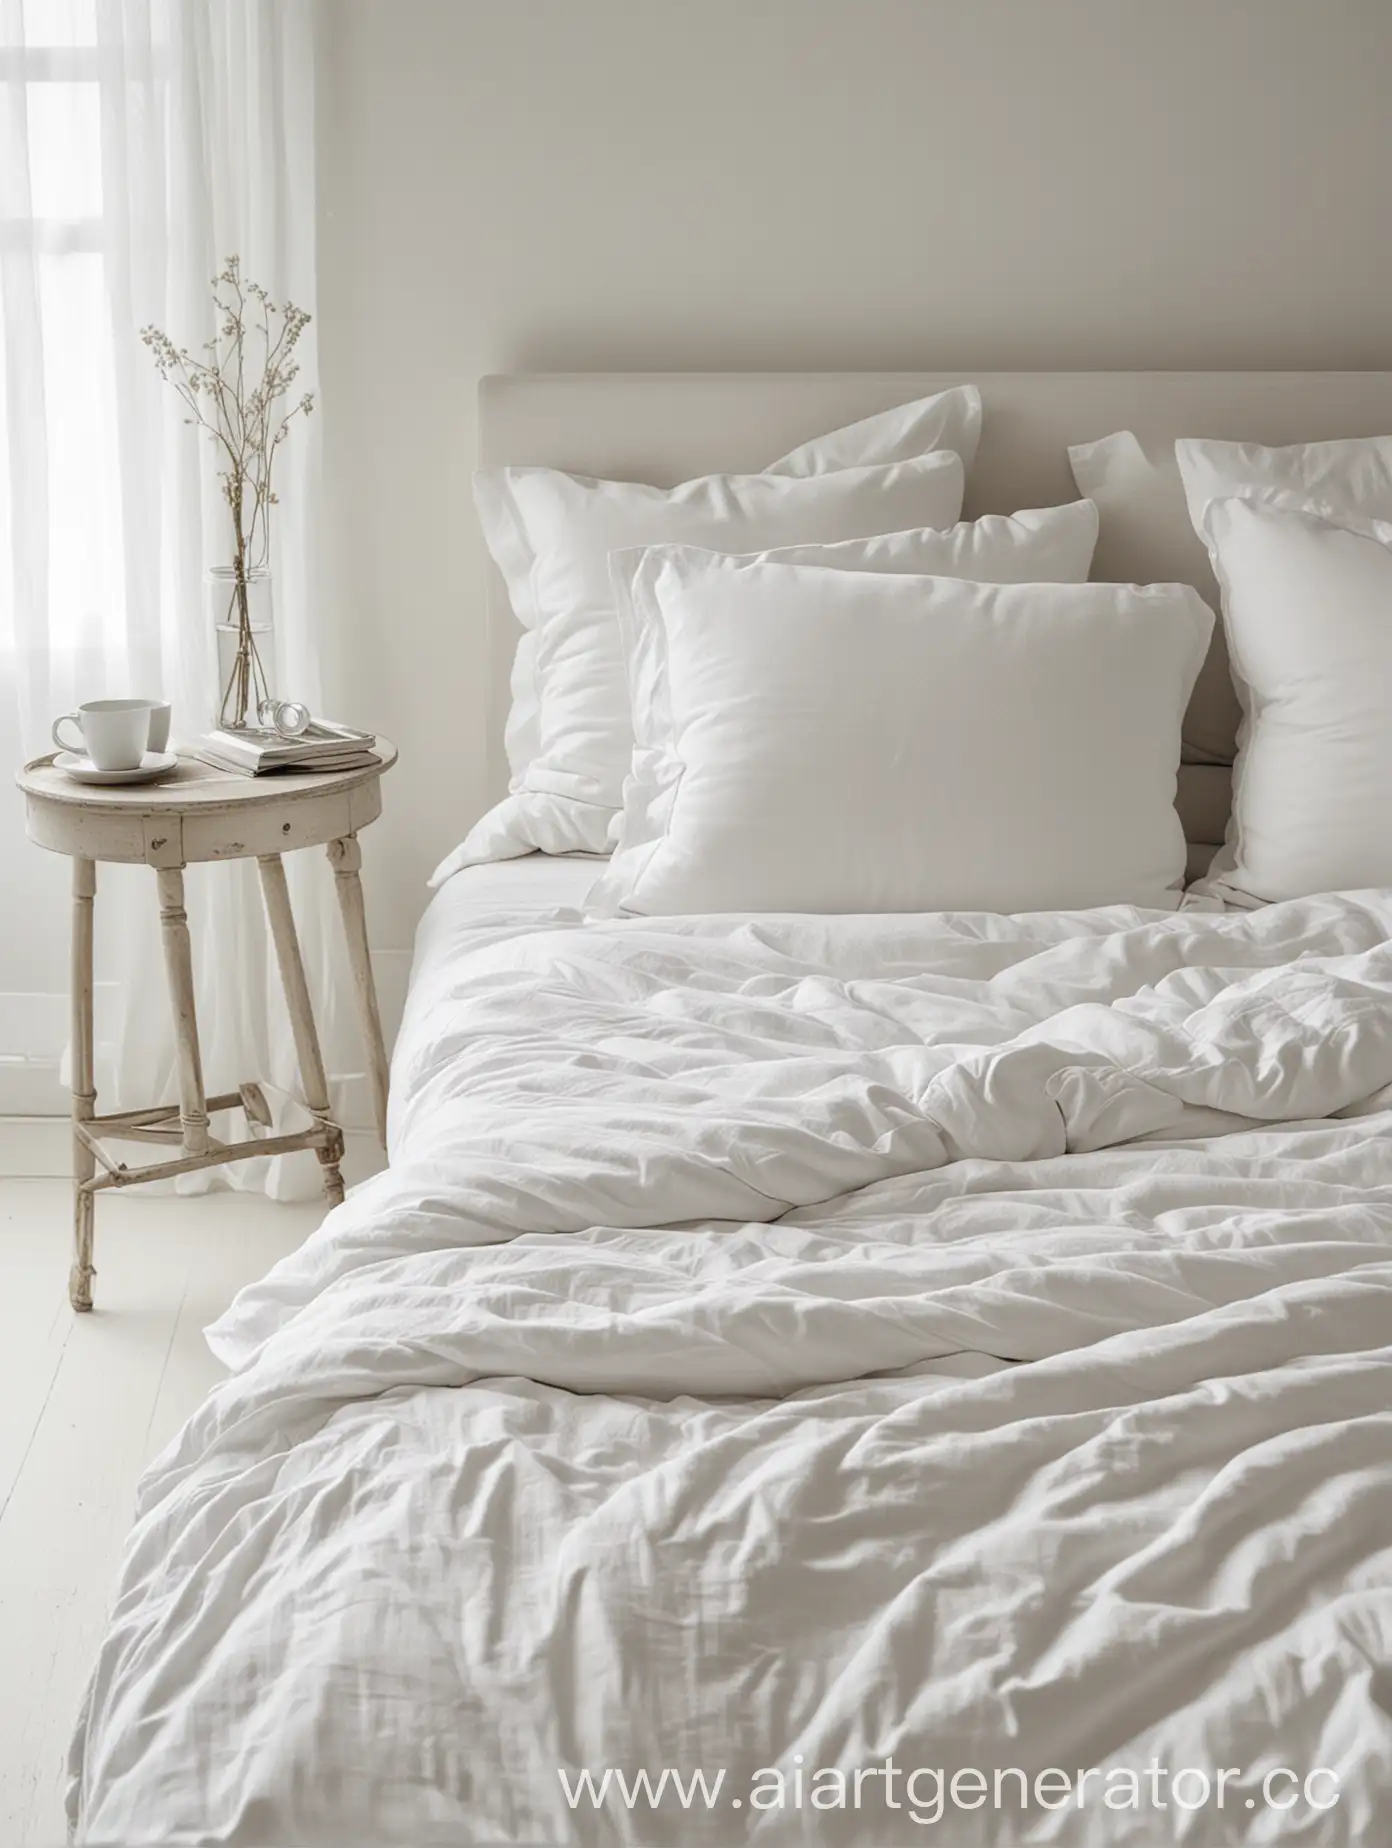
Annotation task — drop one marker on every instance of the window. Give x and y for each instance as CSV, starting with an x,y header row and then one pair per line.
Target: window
x,y
60,507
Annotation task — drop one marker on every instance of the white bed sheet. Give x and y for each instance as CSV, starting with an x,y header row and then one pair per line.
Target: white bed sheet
x,y
476,906
536,883
804,1343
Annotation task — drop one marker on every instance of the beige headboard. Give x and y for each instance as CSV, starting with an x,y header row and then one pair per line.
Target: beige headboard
x,y
663,427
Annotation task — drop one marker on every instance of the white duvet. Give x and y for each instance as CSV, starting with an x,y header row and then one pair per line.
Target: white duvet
x,y
784,1348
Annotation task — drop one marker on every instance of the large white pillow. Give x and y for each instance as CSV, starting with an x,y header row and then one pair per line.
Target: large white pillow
x,y
1040,545
550,534
1307,602
839,741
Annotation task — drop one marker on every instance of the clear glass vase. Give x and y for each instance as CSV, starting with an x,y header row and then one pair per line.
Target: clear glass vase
x,y
242,612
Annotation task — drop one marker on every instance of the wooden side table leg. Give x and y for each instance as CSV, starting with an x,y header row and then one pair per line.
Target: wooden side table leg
x,y
292,978
84,1094
178,963
345,856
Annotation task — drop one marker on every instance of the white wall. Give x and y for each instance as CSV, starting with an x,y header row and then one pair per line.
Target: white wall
x,y
696,184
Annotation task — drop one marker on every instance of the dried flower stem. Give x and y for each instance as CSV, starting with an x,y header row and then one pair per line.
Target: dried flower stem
x,y
238,395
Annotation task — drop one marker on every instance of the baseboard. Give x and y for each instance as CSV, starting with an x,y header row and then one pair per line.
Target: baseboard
x,y
33,1033
40,1148
35,1140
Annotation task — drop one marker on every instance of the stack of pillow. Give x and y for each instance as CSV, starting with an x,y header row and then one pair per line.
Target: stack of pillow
x,y
1299,541
814,689
570,736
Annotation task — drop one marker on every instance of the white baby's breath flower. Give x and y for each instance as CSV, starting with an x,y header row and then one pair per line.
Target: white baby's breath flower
x,y
237,394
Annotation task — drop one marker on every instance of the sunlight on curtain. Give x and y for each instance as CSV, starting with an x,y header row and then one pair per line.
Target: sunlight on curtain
x,y
61,584
141,142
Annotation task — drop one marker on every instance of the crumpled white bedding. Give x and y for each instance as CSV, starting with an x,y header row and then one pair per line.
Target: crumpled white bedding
x,y
965,1340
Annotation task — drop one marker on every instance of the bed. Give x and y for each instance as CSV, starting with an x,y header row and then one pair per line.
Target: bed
x,y
829,1379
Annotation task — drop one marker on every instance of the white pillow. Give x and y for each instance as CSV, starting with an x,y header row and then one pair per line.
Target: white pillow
x,y
1146,536
550,534
949,419
1040,545
1354,473
1307,601
841,741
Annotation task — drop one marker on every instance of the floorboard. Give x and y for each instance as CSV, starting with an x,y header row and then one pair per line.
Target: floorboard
x,y
86,1402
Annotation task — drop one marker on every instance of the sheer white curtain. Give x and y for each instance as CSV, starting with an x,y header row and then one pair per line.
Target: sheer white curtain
x,y
141,143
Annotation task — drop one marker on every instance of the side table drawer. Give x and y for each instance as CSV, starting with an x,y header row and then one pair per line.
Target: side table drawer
x,y
184,836
241,834
85,833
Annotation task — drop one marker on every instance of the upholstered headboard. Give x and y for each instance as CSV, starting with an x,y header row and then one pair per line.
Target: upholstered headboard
x,y
663,427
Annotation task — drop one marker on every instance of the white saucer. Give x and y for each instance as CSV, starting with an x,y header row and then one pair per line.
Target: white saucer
x,y
83,770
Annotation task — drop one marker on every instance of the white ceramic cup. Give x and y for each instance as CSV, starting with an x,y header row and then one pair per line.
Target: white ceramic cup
x,y
115,732
159,726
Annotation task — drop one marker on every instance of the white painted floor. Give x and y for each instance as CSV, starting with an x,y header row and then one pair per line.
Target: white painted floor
x,y
85,1402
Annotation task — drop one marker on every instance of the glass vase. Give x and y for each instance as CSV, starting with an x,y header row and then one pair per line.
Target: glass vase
x,y
242,612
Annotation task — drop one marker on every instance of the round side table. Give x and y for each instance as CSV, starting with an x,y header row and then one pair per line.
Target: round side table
x,y
200,813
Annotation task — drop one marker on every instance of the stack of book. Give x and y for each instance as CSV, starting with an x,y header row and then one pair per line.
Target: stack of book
x,y
321,746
